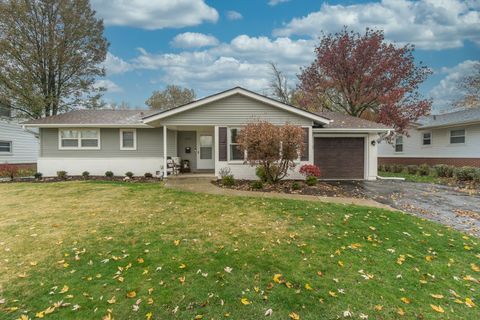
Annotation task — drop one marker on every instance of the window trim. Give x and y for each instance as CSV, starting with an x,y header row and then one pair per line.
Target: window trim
x,y
79,146
423,139
7,153
134,139
229,143
457,143
395,144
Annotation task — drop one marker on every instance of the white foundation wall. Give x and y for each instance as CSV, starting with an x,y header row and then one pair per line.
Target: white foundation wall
x,y
98,166
247,172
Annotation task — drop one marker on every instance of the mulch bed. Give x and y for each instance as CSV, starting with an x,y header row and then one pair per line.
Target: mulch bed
x,y
323,189
80,178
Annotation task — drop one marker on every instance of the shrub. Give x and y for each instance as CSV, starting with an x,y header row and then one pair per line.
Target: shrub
x,y
396,168
412,169
387,167
8,170
465,173
38,175
424,169
85,175
310,170
261,173
224,172
62,174
129,174
296,186
311,180
109,174
228,181
444,171
148,175
257,185
381,168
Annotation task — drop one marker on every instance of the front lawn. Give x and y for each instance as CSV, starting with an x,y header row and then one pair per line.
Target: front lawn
x,y
92,250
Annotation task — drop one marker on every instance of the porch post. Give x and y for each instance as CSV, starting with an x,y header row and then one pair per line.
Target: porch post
x,y
165,171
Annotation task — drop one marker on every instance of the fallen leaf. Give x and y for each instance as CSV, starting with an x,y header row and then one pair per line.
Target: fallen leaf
x,y
245,301
405,300
268,313
469,303
131,294
294,316
276,278
437,296
437,308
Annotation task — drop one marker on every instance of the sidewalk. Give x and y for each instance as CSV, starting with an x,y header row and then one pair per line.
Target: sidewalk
x,y
204,185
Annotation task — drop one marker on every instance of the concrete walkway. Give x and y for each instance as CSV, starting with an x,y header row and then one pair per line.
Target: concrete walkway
x,y
204,185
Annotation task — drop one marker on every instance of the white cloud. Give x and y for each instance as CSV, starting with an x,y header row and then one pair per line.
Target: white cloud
x,y
155,14
234,15
109,85
275,2
429,24
446,92
114,64
193,40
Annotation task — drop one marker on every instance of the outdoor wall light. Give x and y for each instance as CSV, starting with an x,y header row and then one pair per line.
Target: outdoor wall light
x,y
373,142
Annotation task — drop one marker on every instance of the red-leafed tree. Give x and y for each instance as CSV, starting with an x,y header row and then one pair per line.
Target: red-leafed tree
x,y
363,74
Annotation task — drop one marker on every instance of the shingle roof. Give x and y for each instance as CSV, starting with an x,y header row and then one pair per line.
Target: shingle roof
x,y
343,121
449,119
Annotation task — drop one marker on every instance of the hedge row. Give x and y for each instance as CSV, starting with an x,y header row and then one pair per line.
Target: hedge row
x,y
439,170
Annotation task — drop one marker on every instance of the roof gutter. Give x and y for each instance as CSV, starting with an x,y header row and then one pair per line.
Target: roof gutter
x,y
80,125
352,130
450,125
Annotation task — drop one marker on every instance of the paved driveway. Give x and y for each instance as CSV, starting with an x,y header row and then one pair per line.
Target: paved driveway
x,y
444,204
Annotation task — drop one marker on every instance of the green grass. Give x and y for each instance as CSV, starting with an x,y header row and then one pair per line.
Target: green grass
x,y
173,249
414,178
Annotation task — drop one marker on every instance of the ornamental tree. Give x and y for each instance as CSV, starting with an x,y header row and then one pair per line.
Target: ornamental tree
x,y
274,148
358,74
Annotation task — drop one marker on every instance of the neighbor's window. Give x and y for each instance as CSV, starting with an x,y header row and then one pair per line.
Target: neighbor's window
x,y
128,139
457,136
5,147
79,139
399,144
235,152
427,139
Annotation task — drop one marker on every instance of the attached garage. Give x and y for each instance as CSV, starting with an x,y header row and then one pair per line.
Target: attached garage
x,y
340,157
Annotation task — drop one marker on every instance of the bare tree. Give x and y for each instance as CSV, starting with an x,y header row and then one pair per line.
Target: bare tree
x,y
50,55
172,96
470,85
278,86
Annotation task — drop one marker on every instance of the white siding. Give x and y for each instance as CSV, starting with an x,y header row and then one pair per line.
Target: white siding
x,y
24,143
440,147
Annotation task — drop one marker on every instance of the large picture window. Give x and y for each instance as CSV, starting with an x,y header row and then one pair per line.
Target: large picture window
x,y
128,139
79,139
457,136
5,147
235,152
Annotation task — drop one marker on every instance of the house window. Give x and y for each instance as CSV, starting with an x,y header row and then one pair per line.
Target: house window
x,y
427,139
457,136
5,147
79,139
235,152
128,139
399,144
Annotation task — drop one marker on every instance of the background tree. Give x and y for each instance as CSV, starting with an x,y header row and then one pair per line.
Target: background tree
x,y
278,86
470,85
273,148
50,54
357,74
172,96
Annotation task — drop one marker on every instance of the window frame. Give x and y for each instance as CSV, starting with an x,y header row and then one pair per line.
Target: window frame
x,y
134,139
79,139
423,139
229,149
397,144
10,152
457,143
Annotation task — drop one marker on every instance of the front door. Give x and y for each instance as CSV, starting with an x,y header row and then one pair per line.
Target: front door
x,y
205,150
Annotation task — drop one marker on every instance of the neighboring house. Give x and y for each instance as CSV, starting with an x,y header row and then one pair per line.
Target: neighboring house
x,y
451,138
17,145
203,132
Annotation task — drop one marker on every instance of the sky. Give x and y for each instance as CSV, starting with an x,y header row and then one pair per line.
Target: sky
x,y
213,45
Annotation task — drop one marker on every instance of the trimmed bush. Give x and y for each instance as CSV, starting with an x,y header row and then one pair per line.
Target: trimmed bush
x,y
129,174
424,170
296,186
224,172
85,175
444,171
257,185
261,173
311,180
62,174
412,169
38,175
466,173
109,174
148,175
310,170
228,180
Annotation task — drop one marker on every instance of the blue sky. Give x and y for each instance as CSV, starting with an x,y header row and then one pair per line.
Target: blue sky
x,y
212,45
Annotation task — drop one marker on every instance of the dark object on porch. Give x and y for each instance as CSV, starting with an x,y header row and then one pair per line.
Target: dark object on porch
x,y
185,166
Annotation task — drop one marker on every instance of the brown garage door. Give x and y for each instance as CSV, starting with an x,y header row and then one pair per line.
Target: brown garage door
x,y
340,158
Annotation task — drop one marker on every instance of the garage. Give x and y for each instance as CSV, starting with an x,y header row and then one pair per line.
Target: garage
x,y
340,157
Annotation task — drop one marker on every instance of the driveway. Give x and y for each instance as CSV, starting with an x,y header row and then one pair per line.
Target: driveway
x,y
444,204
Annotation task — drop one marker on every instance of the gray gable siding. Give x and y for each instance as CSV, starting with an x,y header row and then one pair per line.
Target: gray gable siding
x,y
235,110
24,143
149,144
